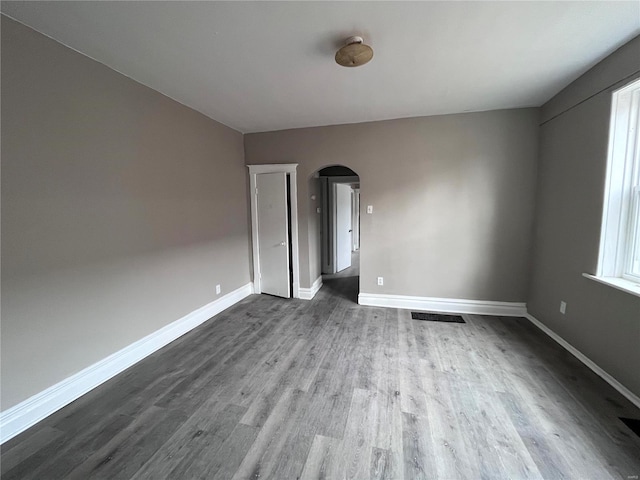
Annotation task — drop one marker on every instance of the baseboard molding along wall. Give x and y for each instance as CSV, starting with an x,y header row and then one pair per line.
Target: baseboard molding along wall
x,y
586,360
478,307
446,305
309,293
29,412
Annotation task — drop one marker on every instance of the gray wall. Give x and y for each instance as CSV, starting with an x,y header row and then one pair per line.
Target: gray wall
x,y
601,322
121,211
453,199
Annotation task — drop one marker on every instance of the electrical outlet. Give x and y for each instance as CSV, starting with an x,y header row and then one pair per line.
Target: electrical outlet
x,y
218,289
380,281
563,307
369,209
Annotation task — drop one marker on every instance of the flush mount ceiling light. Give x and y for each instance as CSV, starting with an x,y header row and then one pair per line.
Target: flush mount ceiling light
x,y
354,53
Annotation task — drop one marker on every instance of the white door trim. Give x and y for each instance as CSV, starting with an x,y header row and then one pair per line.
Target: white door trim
x,y
289,168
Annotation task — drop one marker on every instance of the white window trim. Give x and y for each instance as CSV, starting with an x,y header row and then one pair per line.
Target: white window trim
x,y
617,283
620,200
633,250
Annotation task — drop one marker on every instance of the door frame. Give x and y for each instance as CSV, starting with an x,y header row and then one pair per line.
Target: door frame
x,y
290,169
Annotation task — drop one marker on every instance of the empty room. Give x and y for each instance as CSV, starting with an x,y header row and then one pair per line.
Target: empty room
x,y
320,240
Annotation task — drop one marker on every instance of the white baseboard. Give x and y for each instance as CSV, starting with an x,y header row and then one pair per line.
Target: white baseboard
x,y
448,305
309,293
29,412
586,360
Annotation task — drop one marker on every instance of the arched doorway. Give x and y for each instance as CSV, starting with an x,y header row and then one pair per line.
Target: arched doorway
x,y
338,189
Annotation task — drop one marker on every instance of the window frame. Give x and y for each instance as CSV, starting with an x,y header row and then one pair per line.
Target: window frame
x,y
620,234
632,261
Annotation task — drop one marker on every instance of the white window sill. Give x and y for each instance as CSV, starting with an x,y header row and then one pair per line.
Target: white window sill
x,y
620,283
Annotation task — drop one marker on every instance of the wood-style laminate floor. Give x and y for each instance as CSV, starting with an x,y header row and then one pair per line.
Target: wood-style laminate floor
x,y
289,389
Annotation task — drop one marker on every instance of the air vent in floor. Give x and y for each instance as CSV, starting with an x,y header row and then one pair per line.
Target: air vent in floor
x,y
437,317
633,424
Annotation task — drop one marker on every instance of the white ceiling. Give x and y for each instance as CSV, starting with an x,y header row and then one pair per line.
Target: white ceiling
x,y
259,66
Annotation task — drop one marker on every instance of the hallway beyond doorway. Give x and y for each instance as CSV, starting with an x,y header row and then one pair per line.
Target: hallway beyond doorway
x,y
345,284
352,271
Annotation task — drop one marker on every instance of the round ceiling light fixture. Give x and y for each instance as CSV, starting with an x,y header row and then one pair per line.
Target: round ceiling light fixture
x,y
354,53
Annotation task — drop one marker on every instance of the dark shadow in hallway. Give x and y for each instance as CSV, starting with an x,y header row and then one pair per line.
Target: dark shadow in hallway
x,y
345,284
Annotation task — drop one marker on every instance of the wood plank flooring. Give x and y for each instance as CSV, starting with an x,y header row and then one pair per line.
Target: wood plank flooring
x,y
327,389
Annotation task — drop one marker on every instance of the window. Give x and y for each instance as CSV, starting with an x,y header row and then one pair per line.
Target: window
x,y
633,252
620,242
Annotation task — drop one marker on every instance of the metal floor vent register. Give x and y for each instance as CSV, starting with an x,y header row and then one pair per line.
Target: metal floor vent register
x,y
633,424
436,317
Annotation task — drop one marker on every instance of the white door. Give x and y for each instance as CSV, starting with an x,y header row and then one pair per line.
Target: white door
x,y
273,233
343,227
355,219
